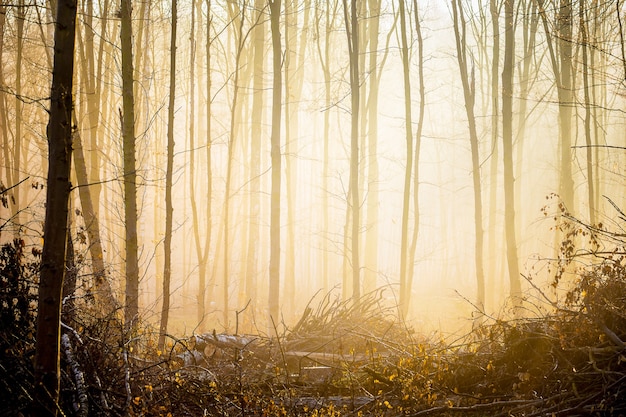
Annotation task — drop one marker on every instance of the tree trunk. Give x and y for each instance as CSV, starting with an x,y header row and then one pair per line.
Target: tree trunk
x,y
416,156
352,32
469,89
255,154
406,195
130,174
587,120
370,262
494,250
4,127
18,143
202,290
239,19
566,101
169,209
274,268
507,152
103,290
47,361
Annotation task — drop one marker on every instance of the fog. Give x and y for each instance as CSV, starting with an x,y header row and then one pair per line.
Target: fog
x,y
316,159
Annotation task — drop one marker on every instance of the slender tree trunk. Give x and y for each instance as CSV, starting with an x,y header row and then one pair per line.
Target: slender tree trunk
x,y
324,55
530,21
47,360
130,174
352,32
169,209
233,134
290,23
494,250
418,142
584,39
469,89
201,250
103,290
294,80
274,268
18,143
406,195
370,262
4,127
255,153
566,101
202,290
507,152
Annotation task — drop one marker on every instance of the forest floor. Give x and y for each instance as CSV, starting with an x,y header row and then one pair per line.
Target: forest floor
x,y
346,359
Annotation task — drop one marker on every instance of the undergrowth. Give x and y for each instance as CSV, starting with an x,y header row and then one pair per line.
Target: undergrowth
x,y
342,358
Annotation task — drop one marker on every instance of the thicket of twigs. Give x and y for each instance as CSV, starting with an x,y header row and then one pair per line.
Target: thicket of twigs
x,y
345,359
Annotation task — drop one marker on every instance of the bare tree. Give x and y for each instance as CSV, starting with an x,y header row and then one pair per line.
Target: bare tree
x,y
408,170
47,360
469,94
507,151
169,209
127,116
274,268
584,40
256,119
352,33
370,262
417,147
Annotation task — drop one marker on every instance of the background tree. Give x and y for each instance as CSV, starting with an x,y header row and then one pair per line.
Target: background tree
x,y
507,151
405,296
274,267
417,149
130,171
352,32
169,209
469,94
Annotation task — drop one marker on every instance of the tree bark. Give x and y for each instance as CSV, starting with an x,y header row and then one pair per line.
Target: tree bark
x,y
584,39
469,94
47,361
406,195
274,267
169,209
352,32
370,262
417,148
507,152
130,175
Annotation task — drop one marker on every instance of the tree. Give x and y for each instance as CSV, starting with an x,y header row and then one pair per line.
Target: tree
x,y
469,94
370,262
274,268
294,80
561,61
255,151
324,56
352,33
238,17
18,143
408,170
507,151
169,209
209,175
416,156
584,40
47,360
130,174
